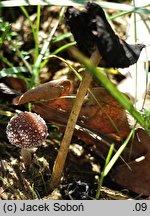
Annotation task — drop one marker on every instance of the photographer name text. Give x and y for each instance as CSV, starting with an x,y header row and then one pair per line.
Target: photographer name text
x,y
44,207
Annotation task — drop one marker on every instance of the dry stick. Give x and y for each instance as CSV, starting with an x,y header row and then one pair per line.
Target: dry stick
x,y
64,147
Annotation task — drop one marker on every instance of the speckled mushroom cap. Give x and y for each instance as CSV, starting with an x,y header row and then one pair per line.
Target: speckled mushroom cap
x,y
26,130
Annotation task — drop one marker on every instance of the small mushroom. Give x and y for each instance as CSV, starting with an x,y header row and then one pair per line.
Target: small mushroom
x,y
26,130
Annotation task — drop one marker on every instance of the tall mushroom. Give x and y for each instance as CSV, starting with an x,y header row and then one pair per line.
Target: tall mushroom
x,y
26,130
97,40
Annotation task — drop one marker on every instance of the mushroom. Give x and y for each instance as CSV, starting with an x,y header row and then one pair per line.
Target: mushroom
x,y
91,29
26,130
96,39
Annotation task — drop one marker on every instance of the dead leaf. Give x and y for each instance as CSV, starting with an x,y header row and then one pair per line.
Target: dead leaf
x,y
105,116
90,137
137,179
94,118
144,139
137,145
15,83
93,125
46,91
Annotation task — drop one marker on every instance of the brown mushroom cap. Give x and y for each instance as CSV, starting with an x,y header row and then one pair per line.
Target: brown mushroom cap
x,y
26,130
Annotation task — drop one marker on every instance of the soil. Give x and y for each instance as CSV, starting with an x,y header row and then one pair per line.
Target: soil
x,y
80,179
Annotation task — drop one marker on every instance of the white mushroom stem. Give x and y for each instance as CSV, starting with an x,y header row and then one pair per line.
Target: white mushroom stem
x,y
26,156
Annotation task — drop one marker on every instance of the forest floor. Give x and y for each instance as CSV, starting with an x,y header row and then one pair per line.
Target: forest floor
x,y
84,162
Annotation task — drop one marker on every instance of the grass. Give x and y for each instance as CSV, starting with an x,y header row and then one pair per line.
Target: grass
x,y
29,71
110,161
35,29
36,67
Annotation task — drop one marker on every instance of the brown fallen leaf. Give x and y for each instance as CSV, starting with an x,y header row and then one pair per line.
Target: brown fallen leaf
x,y
93,116
90,137
16,84
137,178
94,121
46,91
136,146
108,116
144,139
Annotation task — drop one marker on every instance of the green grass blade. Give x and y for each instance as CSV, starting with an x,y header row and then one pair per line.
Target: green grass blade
x,y
5,33
118,153
109,162
11,71
34,30
61,37
111,5
101,179
62,48
140,10
16,3
6,61
37,32
36,68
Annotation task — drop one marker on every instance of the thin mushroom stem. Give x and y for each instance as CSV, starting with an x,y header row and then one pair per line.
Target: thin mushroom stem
x,y
26,156
64,147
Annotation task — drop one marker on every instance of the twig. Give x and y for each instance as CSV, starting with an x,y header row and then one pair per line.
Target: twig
x,y
64,147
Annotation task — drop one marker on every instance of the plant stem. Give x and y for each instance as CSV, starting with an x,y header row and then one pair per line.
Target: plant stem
x,y
103,172
64,147
36,67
